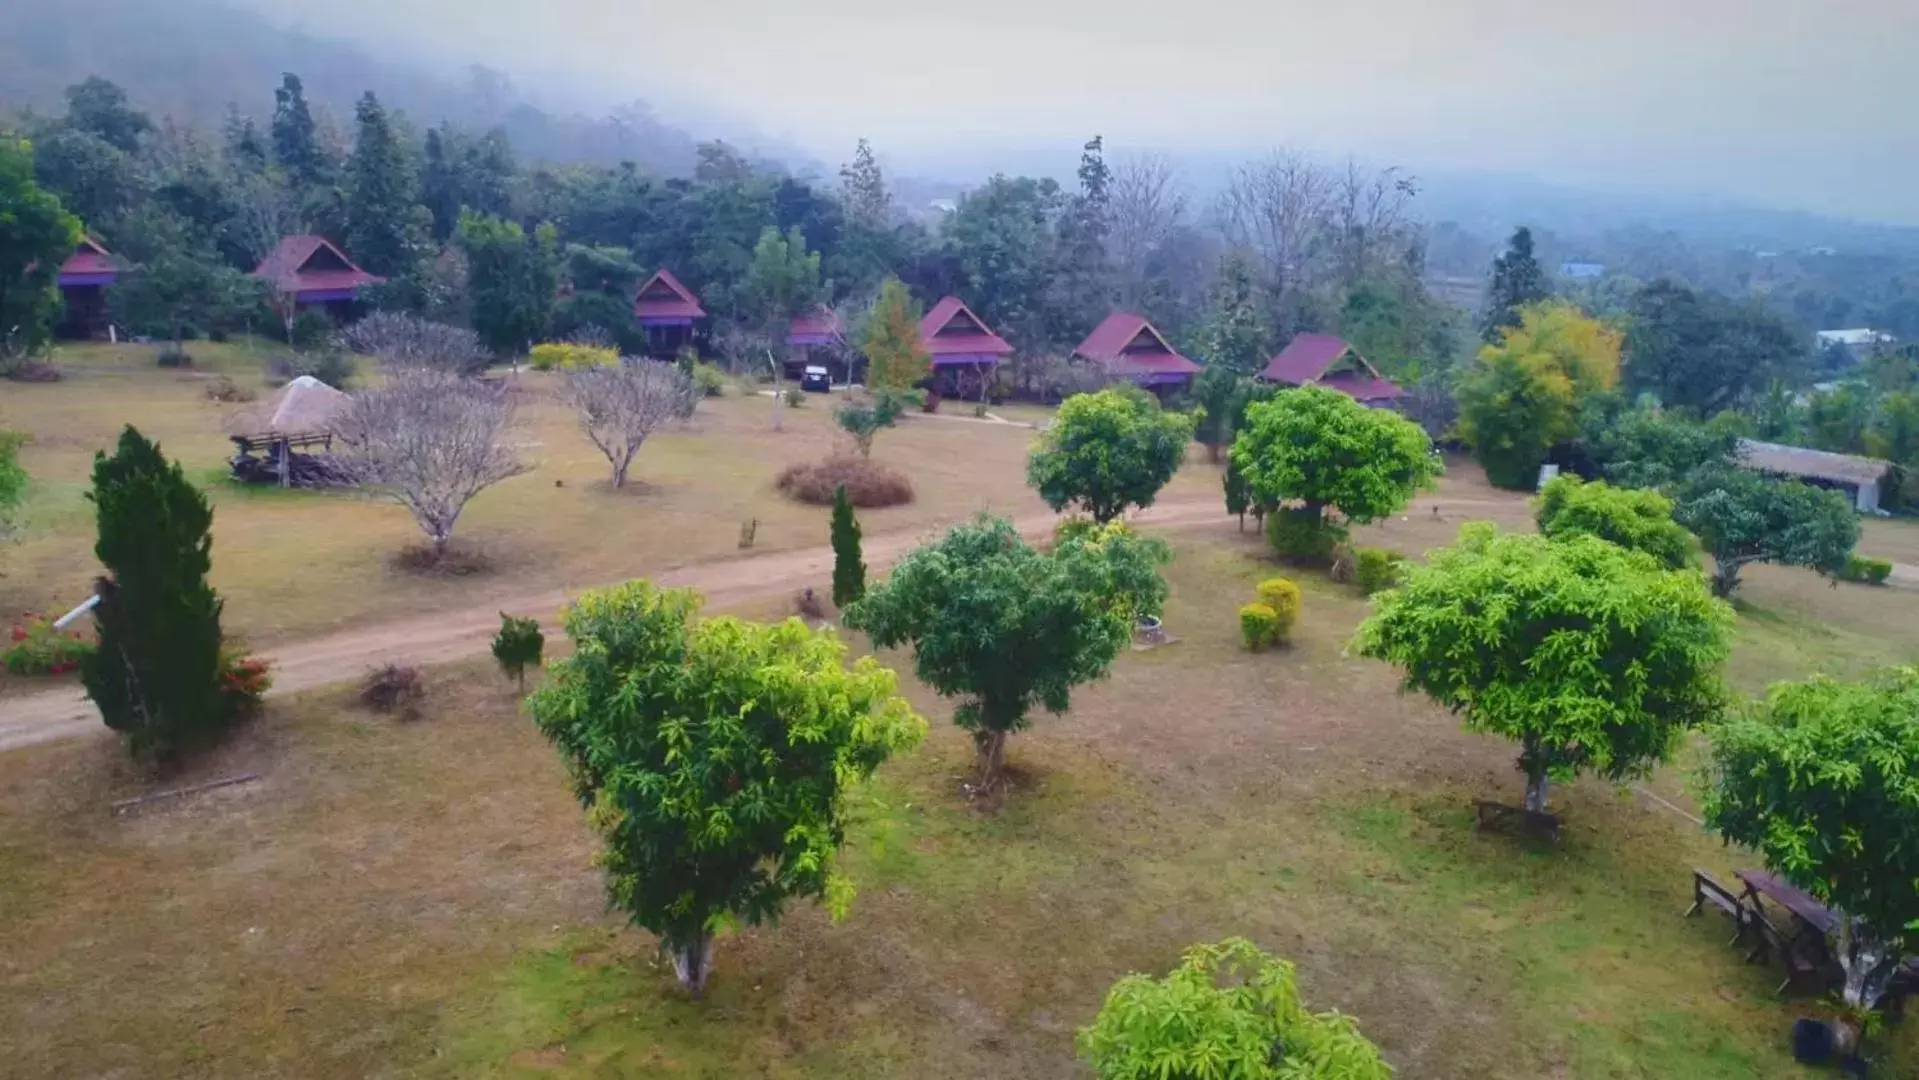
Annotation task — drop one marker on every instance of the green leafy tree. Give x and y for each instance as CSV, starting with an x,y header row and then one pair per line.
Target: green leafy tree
x,y
1523,397
13,479
1108,452
1633,518
1001,238
1517,282
100,108
849,570
381,192
863,195
1741,518
94,179
36,236
1234,336
182,293
1082,285
864,418
1591,657
518,646
1703,353
713,756
896,357
513,278
782,280
1227,1012
1822,779
1325,450
1006,628
1238,498
1649,447
156,674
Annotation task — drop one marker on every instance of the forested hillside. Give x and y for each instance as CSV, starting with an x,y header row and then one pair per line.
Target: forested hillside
x,y
193,59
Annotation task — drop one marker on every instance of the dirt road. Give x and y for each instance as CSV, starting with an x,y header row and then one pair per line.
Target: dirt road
x,y
456,635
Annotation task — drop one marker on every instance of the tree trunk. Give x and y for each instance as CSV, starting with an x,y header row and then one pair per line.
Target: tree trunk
x,y
1725,578
992,758
693,964
439,545
1536,791
1867,961
619,473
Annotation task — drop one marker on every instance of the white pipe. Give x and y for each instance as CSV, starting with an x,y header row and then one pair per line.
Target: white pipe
x,y
86,605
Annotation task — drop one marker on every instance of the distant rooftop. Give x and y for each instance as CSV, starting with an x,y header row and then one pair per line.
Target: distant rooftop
x,y
1855,337
1783,460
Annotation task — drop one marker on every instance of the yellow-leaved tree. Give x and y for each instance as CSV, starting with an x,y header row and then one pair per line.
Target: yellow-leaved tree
x,y
1522,397
896,357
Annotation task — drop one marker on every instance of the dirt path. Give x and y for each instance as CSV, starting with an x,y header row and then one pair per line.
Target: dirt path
x,y
456,635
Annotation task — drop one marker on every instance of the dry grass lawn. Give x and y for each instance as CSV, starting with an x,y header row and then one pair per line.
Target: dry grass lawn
x,y
418,899
292,564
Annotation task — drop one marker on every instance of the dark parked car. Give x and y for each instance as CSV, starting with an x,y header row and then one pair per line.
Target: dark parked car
x,y
816,378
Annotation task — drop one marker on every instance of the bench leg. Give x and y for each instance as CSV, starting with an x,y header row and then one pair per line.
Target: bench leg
x,y
1691,911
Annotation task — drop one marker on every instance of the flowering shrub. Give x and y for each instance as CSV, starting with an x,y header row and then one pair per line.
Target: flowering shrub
x,y
565,356
244,679
36,648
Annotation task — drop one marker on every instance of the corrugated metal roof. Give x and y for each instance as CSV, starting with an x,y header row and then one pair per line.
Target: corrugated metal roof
x,y
681,305
1814,464
981,341
1304,359
1107,346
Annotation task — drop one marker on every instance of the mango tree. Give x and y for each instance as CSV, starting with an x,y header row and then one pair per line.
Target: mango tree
x,y
1591,657
713,756
1822,779
1633,518
1741,517
1107,452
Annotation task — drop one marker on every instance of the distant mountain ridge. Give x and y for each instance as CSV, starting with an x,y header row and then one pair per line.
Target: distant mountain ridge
x,y
194,58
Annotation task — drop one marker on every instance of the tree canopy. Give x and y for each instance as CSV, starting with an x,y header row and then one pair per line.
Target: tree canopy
x,y
1108,452
896,358
1633,518
1227,1011
1822,779
1007,628
1522,399
713,756
1701,352
1591,657
36,236
1742,517
1517,283
1324,449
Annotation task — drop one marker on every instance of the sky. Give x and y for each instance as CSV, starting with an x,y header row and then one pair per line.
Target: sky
x,y
1800,104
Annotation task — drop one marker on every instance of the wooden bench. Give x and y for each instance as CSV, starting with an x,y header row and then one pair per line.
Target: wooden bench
x,y
1706,890
1800,959
1528,823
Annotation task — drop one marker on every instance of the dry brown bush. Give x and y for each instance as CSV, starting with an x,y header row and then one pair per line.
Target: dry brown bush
x,y
393,688
868,483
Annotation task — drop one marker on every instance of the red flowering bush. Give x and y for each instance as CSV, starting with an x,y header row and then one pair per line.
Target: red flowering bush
x,y
244,679
34,647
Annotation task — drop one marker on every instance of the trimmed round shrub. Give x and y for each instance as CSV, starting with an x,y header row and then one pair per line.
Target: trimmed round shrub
x,y
1258,626
1866,570
1302,536
568,355
709,380
868,483
1375,569
1283,597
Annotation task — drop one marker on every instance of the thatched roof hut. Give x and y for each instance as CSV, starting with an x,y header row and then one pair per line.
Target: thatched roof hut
x,y
305,406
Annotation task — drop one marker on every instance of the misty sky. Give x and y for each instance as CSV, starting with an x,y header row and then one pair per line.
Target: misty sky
x,y
1791,103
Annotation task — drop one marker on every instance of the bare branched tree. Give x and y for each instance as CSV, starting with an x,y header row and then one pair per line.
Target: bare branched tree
x,y
1368,219
266,210
620,406
408,341
430,441
1277,208
1145,206
748,349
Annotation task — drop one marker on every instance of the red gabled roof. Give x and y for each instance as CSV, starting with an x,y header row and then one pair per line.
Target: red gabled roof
x,y
820,322
89,258
663,297
310,263
1127,344
951,329
1304,360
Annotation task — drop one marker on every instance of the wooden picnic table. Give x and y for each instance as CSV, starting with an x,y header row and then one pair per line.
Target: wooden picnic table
x,y
1802,904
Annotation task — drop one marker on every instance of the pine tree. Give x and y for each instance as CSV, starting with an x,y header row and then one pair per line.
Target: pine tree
x,y
849,572
896,357
380,195
863,195
1517,282
156,673
1234,336
296,139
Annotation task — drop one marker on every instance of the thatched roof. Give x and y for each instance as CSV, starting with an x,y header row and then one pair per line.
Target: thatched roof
x,y
305,406
1812,464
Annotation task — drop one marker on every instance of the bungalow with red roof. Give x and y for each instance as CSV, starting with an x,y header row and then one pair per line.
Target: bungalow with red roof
x,y
966,353
1128,347
666,311
312,272
83,282
817,338
1324,360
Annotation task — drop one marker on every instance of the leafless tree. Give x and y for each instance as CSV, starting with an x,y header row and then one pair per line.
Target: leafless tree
x,y
266,209
620,406
430,441
1145,206
1277,208
408,341
1368,219
746,349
